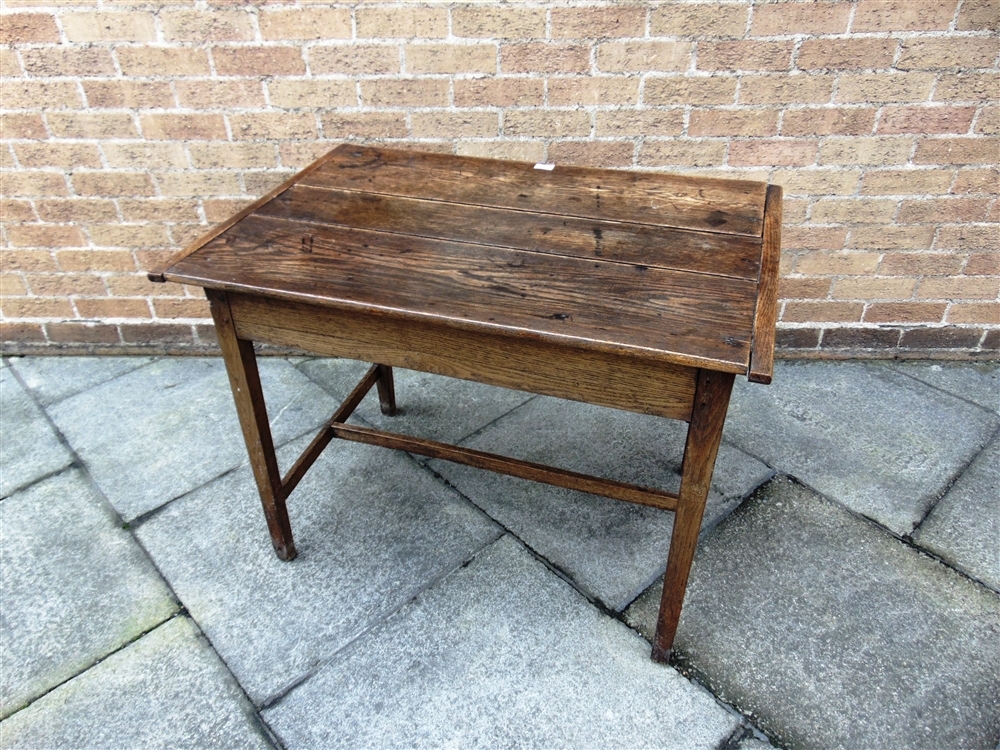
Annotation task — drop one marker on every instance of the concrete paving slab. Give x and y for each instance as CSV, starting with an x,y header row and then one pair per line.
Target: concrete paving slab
x,y
52,379
973,381
430,406
871,438
831,633
500,654
611,549
162,430
29,447
371,526
964,527
167,690
74,586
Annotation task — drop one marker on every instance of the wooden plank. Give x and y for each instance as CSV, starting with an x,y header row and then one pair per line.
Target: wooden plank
x,y
511,466
662,247
241,365
639,384
766,314
712,205
691,318
222,226
325,435
711,403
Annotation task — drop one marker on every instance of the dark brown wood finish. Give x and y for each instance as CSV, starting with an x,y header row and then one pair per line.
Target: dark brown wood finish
x,y
509,361
766,315
690,318
593,239
711,401
637,291
241,364
724,206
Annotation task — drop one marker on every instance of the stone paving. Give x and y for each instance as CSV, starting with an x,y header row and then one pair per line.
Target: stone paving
x,y
845,594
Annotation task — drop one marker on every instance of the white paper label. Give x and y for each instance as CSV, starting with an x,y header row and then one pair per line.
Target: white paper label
x,y
546,167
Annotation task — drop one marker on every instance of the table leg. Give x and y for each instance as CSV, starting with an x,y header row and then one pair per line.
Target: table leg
x,y
386,390
711,402
241,364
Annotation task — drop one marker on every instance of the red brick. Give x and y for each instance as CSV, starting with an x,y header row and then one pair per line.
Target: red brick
x,y
35,307
884,87
906,181
592,153
860,338
778,153
977,15
112,307
451,58
55,154
981,312
951,52
67,61
199,94
943,210
544,57
697,20
828,121
733,122
903,15
21,333
82,333
822,312
926,119
156,61
940,338
500,92
960,288
905,312
365,125
500,22
28,28
980,150
983,264
168,127
306,23
794,89
745,55
258,61
128,94
359,59
779,19
22,126
607,22
109,27
642,57
690,90
845,54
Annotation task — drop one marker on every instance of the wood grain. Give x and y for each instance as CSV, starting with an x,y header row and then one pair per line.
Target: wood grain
x,y
663,247
693,318
711,402
511,466
766,314
712,205
241,365
222,226
619,381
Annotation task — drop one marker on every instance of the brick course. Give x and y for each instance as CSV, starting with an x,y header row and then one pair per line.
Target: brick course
x,y
128,128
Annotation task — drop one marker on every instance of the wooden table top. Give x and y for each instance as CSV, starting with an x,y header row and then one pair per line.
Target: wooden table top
x,y
679,269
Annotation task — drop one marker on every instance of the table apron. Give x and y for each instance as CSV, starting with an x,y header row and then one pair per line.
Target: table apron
x,y
619,381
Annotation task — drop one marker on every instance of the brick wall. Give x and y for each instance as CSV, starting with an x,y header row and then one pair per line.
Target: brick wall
x,y
128,127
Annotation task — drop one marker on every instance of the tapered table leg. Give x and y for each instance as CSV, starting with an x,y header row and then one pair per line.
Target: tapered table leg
x,y
241,364
711,402
386,390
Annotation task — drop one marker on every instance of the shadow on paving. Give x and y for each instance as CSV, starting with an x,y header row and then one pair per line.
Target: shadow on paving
x,y
832,633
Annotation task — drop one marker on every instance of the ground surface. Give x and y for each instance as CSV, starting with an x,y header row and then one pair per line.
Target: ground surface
x,y
844,594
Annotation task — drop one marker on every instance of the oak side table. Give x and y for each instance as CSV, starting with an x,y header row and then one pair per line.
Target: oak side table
x,y
633,290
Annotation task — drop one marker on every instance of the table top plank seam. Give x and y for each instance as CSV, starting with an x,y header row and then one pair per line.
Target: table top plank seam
x,y
319,223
